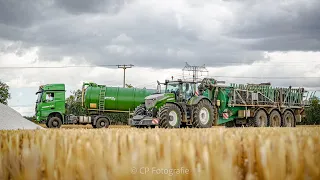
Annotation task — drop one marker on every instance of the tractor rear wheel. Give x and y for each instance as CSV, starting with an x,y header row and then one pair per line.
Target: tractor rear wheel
x,y
261,119
275,119
288,119
169,116
203,115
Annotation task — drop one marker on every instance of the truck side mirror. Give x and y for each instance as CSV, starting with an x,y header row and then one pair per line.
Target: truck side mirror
x,y
158,88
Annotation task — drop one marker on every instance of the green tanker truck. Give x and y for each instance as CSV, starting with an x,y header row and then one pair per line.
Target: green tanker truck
x,y
97,100
208,102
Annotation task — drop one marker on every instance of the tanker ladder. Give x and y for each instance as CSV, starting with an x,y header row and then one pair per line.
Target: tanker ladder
x,y
102,98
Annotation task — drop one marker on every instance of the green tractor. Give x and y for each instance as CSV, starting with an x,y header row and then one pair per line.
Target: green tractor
x,y
210,104
179,106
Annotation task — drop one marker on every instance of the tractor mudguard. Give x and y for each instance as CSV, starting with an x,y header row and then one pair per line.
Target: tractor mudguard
x,y
195,100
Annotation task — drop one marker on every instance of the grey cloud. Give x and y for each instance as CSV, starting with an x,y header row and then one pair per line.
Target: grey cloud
x,y
279,26
88,31
93,6
24,14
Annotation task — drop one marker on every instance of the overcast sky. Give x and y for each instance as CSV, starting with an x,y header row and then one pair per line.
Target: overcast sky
x,y
241,41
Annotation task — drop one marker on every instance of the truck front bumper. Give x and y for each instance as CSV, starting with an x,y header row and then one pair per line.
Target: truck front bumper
x,y
143,121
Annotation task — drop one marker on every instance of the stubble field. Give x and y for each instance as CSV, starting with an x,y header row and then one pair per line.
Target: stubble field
x,y
120,152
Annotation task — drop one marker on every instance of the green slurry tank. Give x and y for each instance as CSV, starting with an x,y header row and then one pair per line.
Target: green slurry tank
x,y
115,99
96,100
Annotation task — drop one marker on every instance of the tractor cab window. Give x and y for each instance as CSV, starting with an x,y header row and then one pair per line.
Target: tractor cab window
x,y
49,97
187,90
172,88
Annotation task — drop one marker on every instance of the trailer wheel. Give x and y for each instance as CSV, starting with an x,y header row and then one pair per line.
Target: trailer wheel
x,y
54,122
169,116
102,122
275,119
203,115
288,119
261,119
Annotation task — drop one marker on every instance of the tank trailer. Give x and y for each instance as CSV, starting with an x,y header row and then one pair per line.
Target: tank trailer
x,y
210,103
96,99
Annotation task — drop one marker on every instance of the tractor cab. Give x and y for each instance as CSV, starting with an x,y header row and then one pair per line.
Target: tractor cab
x,y
182,90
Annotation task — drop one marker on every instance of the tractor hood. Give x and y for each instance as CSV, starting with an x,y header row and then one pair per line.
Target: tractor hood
x,y
151,100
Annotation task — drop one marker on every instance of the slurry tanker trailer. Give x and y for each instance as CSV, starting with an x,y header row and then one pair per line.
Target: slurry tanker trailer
x,y
211,103
97,100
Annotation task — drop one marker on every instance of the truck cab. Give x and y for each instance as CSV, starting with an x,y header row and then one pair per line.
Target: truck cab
x,y
50,105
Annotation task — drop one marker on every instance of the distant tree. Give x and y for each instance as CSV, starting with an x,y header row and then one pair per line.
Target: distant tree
x,y
4,93
73,103
312,113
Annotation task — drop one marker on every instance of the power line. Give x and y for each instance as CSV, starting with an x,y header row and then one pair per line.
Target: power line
x,y
110,65
195,70
263,77
54,67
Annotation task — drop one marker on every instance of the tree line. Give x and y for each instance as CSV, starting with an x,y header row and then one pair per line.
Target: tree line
x,y
73,106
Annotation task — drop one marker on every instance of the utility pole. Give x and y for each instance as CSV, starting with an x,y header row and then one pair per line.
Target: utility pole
x,y
195,70
124,67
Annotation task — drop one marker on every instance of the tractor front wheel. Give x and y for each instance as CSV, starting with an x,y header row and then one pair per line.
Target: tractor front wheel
x,y
169,116
140,110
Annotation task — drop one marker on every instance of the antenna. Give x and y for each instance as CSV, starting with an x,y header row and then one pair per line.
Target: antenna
x,y
195,70
124,67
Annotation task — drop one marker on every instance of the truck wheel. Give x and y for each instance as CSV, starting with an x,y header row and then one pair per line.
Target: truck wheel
x,y
261,119
102,122
54,122
203,115
169,116
288,119
275,119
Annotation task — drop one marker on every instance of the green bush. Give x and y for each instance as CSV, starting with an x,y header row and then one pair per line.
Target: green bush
x,y
118,118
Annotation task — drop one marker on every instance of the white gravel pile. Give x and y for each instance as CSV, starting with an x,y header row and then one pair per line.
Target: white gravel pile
x,y
12,120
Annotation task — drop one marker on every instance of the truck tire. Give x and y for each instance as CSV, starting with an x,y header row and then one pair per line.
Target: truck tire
x,y
288,119
261,119
203,115
275,119
169,116
54,122
102,122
